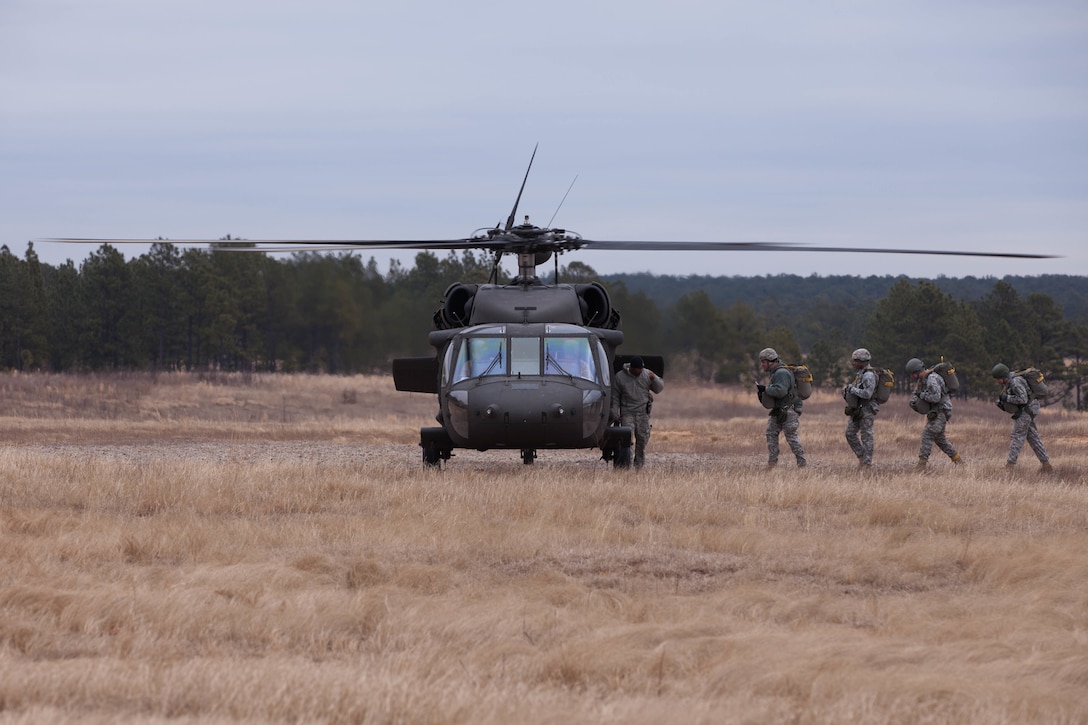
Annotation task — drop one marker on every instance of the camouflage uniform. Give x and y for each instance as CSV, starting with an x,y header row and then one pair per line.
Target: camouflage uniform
x,y
934,392
631,401
860,424
1018,393
785,416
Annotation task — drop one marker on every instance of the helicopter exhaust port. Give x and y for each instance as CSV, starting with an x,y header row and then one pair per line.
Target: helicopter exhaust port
x,y
594,303
457,303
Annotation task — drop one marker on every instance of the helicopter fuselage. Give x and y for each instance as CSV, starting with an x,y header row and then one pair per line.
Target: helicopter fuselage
x,y
525,366
526,385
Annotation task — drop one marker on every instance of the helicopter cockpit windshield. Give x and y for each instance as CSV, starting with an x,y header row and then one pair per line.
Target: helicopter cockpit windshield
x,y
480,356
570,356
492,352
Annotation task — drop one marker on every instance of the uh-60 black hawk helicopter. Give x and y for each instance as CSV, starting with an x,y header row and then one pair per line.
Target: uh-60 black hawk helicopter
x,y
526,365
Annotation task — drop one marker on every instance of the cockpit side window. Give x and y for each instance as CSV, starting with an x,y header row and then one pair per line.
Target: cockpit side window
x,y
570,356
606,372
480,356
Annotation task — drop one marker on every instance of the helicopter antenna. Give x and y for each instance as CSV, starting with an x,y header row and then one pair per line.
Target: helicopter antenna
x,y
514,211
561,201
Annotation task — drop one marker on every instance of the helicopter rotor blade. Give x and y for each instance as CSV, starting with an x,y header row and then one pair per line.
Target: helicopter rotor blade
x,y
562,200
561,241
682,246
514,211
281,245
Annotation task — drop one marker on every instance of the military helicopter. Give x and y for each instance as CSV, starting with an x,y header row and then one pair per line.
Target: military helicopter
x,y
526,365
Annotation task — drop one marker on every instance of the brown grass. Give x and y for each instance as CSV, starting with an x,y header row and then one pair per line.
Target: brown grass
x,y
269,549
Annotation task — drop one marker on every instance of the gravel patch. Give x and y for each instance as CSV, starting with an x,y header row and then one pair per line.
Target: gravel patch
x,y
364,454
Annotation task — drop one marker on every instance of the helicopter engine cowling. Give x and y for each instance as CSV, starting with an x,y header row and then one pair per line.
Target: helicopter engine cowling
x,y
457,304
595,305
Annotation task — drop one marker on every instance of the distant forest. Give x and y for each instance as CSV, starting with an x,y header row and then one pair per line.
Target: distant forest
x,y
211,309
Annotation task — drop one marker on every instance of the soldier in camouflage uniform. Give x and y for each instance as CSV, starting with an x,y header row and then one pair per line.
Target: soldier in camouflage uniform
x,y
780,397
931,398
632,399
1016,398
862,407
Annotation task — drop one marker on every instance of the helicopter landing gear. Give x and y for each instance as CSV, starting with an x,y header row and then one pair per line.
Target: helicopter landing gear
x,y
436,445
617,446
528,455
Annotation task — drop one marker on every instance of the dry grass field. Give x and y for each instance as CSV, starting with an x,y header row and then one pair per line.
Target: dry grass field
x,y
269,549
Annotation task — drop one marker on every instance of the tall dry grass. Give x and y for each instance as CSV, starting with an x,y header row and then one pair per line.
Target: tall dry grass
x,y
146,575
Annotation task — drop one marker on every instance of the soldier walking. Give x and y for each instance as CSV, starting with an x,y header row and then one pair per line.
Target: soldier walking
x,y
780,397
862,407
632,399
1017,398
931,398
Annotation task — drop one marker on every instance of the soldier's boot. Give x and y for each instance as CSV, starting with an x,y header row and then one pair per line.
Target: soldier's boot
x,y
1010,464
921,464
771,464
1046,467
957,459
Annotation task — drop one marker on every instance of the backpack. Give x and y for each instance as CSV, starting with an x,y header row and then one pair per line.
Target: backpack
x,y
948,374
885,383
1035,381
802,377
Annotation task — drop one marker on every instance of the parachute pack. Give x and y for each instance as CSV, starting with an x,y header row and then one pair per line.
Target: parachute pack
x,y
1035,381
948,374
885,383
803,379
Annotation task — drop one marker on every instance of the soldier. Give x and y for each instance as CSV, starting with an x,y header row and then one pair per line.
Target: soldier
x,y
862,407
931,398
1016,398
632,400
780,397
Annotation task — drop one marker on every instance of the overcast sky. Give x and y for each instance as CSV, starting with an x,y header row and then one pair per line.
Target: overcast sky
x,y
930,124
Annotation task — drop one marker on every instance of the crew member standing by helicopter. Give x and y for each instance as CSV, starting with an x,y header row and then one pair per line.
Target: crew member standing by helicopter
x,y
632,389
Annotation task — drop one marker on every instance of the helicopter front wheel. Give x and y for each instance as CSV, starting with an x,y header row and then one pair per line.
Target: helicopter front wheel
x,y
528,455
436,445
617,446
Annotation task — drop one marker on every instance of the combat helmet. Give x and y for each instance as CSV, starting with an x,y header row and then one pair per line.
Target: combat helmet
x,y
861,355
914,365
768,354
1001,370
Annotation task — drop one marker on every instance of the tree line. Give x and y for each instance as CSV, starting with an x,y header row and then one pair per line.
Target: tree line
x,y
225,308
